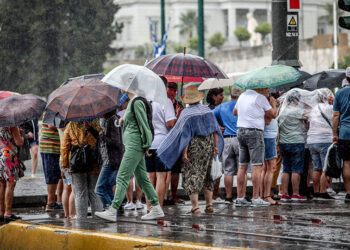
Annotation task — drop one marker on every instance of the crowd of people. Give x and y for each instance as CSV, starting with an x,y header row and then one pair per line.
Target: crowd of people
x,y
276,138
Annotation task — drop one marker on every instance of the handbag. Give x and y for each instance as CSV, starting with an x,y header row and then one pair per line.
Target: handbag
x,y
24,151
216,169
82,159
332,164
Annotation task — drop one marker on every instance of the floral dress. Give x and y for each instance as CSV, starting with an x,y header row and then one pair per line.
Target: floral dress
x,y
9,165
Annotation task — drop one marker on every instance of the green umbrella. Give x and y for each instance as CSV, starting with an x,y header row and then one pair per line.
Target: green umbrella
x,y
267,77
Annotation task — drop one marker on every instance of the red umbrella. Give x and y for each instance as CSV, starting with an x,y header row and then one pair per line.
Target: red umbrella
x,y
184,67
5,94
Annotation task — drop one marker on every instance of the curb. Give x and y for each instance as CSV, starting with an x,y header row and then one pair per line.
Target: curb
x,y
20,235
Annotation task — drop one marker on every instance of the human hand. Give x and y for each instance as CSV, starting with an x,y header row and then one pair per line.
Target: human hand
x,y
31,135
121,121
185,159
335,139
62,175
273,101
148,154
216,151
222,129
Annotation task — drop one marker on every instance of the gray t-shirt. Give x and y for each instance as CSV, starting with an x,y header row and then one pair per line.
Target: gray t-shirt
x,y
291,125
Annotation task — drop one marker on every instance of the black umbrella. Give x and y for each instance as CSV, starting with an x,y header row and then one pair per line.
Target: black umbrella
x,y
325,79
53,118
297,84
18,109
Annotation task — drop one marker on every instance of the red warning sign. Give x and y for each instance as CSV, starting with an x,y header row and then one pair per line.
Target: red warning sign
x,y
294,5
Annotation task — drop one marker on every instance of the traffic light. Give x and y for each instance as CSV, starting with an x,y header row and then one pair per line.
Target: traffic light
x,y
344,21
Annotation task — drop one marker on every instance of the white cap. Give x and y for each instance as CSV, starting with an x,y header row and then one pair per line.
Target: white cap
x,y
347,72
344,83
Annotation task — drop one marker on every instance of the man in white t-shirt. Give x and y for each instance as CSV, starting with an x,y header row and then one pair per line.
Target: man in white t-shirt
x,y
251,108
163,119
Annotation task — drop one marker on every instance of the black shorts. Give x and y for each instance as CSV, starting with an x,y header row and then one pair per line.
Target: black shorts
x,y
153,164
344,149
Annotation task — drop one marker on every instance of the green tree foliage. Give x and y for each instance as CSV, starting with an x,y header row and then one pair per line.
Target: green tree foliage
x,y
344,63
264,29
45,42
188,23
242,35
193,43
216,40
178,48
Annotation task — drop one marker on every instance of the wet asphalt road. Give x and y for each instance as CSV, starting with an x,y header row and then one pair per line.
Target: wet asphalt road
x,y
310,225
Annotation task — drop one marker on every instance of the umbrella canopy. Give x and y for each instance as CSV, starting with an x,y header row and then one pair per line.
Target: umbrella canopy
x,y
5,94
325,79
213,83
18,109
82,99
138,80
268,77
185,68
297,84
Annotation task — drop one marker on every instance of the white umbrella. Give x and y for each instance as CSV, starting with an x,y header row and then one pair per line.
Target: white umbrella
x,y
138,80
212,83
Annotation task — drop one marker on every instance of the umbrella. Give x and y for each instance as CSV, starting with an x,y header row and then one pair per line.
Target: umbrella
x,y
5,94
184,67
268,77
297,84
82,99
138,80
18,109
212,83
325,79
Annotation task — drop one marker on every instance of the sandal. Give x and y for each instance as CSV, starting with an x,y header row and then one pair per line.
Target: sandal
x,y
195,211
275,203
276,197
209,208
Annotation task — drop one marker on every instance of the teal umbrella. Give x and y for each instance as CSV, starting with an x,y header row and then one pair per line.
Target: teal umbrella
x,y
267,77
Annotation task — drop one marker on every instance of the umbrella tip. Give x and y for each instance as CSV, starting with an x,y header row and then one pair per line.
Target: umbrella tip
x,y
184,50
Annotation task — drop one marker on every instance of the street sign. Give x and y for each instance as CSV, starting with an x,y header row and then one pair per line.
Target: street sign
x,y
292,25
294,5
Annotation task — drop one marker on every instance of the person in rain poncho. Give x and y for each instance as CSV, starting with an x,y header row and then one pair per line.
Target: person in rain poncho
x,y
197,137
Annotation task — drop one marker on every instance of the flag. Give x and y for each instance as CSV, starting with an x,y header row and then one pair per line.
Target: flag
x,y
158,49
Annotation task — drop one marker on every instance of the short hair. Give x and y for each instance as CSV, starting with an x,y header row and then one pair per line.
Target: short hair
x,y
213,92
235,92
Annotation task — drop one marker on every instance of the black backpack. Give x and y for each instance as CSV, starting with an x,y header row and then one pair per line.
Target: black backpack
x,y
333,162
148,111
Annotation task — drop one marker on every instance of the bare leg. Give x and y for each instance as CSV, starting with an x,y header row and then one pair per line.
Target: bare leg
x,y
241,180
346,176
194,202
208,196
65,199
270,170
2,197
10,187
285,183
51,193
262,178
316,176
228,180
138,192
129,191
256,180
323,183
167,184
59,190
34,149
161,186
295,183
174,184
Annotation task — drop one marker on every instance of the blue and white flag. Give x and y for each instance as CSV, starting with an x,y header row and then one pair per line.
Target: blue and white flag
x,y
158,49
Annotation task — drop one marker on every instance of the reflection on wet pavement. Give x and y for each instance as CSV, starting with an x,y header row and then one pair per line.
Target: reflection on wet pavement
x,y
311,225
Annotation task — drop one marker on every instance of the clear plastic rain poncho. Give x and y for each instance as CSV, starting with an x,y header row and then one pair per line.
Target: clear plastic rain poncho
x,y
300,116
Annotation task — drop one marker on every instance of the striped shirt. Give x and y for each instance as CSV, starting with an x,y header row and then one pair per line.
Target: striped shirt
x,y
49,140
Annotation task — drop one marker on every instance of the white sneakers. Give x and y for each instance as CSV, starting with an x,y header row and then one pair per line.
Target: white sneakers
x,y
155,213
129,206
110,214
260,202
139,205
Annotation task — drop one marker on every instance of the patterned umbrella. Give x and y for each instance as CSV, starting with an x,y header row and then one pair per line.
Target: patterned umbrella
x,y
18,109
268,77
185,68
83,99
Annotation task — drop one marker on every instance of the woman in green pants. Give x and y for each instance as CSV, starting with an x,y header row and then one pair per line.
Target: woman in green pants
x,y
137,138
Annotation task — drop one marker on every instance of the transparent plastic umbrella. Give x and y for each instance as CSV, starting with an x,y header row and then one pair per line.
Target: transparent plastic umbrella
x,y
138,80
212,83
268,77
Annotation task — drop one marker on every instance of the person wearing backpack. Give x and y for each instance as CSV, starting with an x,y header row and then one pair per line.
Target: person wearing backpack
x,y
111,151
137,138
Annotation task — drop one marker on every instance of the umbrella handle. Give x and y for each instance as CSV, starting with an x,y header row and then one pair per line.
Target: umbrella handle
x,y
182,77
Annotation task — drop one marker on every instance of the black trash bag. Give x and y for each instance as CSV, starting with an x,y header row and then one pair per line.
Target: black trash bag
x,y
333,163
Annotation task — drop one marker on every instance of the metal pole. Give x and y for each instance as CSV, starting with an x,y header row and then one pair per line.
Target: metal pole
x,y
162,19
200,28
335,35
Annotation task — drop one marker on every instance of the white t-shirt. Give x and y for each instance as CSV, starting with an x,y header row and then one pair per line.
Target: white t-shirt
x,y
161,115
320,131
251,107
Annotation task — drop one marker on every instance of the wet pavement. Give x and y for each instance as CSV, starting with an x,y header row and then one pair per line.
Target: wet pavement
x,y
310,225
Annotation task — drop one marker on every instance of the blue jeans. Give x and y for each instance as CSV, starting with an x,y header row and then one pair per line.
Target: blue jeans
x,y
292,157
104,186
318,153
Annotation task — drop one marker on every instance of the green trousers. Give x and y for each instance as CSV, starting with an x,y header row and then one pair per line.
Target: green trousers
x,y
133,162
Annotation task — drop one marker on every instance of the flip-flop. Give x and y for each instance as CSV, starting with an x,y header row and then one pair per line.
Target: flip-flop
x,y
193,211
209,208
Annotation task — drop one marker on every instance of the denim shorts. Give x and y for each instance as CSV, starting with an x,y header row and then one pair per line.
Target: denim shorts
x,y
292,157
153,164
51,166
270,148
251,146
230,156
318,153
